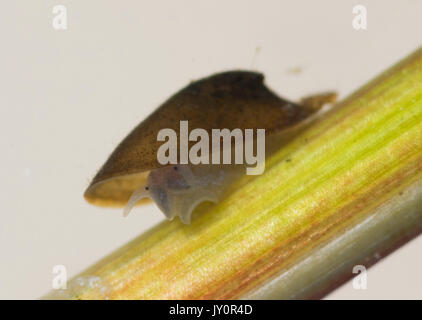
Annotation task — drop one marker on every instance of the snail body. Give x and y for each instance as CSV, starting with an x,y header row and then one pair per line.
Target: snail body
x,y
229,100
178,190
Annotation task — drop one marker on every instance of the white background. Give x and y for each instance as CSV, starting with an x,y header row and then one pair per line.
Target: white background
x,y
68,97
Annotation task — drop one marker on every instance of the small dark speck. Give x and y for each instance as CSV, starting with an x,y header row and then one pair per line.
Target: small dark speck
x,y
288,160
400,193
175,168
306,139
146,188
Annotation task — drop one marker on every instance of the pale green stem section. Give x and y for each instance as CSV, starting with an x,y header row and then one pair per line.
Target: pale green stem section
x,y
393,223
345,191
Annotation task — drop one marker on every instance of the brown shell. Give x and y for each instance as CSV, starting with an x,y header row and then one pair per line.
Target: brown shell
x,y
235,99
